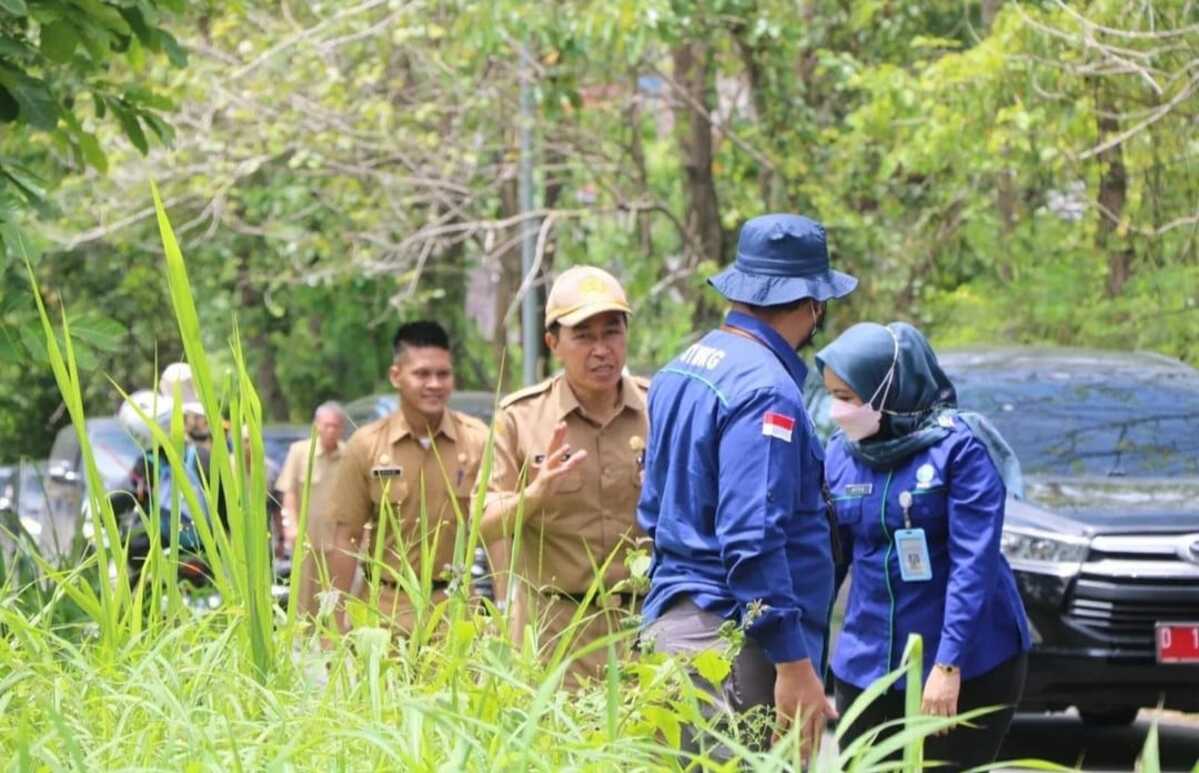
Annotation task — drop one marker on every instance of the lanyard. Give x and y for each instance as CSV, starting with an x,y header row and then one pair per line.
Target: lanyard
x,y
741,332
738,331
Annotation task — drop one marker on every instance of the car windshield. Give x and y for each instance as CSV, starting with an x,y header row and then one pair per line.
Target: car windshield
x,y
1073,422
1070,423
116,452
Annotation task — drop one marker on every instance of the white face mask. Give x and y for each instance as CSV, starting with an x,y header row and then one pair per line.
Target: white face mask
x,y
861,421
857,421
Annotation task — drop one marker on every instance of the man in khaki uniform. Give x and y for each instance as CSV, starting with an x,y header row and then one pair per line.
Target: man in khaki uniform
x,y
401,476
571,447
329,422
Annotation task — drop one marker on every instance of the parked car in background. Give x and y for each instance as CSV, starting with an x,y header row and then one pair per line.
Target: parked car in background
x,y
1105,542
8,510
116,453
364,410
8,486
276,440
23,508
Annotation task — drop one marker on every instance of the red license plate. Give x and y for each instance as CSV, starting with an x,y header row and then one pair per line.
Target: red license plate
x,y
1178,642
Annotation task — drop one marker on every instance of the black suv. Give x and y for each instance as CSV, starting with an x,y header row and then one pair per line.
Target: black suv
x,y
1105,543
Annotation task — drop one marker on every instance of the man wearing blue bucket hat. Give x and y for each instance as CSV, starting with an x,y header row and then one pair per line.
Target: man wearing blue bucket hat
x,y
732,491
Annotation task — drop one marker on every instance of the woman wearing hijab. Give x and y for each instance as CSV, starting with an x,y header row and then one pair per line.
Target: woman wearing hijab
x,y
920,503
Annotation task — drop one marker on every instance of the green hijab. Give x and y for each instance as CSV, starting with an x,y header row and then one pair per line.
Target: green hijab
x,y
918,400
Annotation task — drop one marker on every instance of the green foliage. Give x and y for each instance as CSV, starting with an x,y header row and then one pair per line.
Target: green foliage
x,y
56,66
340,168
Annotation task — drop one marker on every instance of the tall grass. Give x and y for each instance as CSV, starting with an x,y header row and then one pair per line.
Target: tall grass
x,y
149,683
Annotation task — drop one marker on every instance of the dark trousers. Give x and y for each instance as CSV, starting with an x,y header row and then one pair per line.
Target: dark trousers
x,y
963,747
743,705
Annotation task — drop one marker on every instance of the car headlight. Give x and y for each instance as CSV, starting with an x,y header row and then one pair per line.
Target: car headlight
x,y
32,526
1042,552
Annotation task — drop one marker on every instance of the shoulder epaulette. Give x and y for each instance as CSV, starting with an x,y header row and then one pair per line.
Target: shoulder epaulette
x,y
367,431
473,422
527,392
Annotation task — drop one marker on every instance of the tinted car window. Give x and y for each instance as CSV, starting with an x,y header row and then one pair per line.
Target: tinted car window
x,y
65,453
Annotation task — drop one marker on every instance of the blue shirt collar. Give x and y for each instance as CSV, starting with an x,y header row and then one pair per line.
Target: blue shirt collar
x,y
774,341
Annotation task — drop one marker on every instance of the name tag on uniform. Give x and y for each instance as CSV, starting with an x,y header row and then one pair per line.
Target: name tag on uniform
x,y
387,472
859,489
914,564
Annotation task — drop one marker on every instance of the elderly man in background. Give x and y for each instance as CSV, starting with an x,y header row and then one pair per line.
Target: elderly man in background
x,y
329,422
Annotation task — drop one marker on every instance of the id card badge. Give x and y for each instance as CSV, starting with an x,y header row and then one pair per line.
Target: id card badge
x,y
914,564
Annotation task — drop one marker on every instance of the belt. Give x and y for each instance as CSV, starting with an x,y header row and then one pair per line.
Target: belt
x,y
435,585
607,601
387,582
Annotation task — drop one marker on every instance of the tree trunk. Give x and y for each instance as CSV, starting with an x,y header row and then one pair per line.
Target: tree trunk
x,y
990,10
509,282
1007,202
693,70
759,95
633,118
1006,196
259,343
1113,192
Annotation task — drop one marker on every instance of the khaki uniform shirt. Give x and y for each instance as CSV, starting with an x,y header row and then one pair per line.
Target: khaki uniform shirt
x,y
592,511
388,469
325,466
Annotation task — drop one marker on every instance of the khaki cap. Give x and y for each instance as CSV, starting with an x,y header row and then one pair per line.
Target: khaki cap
x,y
582,292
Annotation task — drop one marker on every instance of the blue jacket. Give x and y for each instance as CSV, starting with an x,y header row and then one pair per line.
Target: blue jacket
x,y
969,614
732,492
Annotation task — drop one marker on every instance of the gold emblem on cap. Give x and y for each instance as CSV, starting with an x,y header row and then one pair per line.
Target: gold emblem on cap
x,y
593,285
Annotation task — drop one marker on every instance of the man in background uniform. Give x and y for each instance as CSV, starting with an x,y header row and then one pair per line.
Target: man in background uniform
x,y
176,382
570,447
329,421
410,467
733,483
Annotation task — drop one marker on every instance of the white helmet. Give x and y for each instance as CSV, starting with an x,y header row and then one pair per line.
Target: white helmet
x,y
153,406
180,374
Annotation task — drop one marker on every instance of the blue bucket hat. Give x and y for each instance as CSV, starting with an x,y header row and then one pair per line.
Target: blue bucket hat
x,y
780,259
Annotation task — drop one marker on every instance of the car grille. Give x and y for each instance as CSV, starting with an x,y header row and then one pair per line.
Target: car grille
x,y
1130,583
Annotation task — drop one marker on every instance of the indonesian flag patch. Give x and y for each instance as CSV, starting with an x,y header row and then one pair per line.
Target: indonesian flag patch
x,y
778,426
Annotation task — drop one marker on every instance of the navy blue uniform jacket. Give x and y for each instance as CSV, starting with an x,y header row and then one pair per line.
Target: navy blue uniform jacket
x,y
732,492
969,614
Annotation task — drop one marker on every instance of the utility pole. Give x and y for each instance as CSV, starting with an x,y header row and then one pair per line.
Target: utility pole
x,y
529,317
